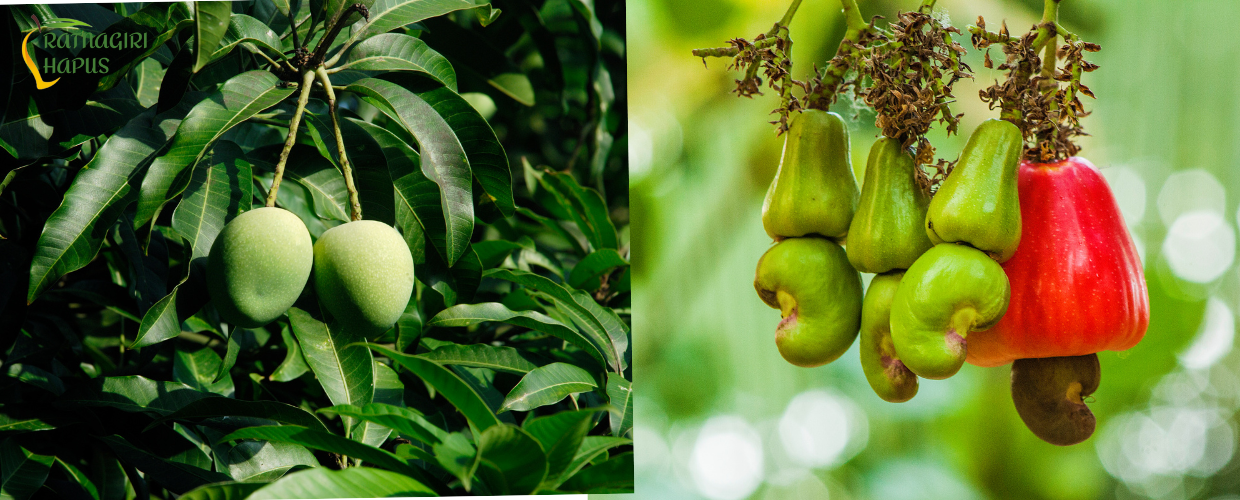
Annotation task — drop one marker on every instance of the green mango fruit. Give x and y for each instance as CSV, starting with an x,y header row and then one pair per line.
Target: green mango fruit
x,y
818,295
978,204
887,375
950,291
814,191
363,273
258,266
887,231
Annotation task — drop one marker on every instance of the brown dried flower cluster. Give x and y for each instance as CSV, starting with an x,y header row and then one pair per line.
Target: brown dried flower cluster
x,y
1047,113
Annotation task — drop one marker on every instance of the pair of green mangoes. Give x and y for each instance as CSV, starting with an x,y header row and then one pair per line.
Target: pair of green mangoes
x,y
891,225
261,261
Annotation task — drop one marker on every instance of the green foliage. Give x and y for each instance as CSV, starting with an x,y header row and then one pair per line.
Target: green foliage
x,y
507,370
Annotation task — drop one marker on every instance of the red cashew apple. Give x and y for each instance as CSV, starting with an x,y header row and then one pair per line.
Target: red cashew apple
x,y
1077,283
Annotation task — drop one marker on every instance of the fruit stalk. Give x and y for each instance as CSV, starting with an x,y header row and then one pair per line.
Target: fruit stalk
x,y
354,203
307,80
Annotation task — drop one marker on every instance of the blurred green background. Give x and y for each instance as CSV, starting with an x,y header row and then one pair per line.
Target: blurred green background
x,y
722,416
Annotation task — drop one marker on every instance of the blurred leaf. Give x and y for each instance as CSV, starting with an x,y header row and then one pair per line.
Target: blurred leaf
x,y
21,472
294,364
222,491
175,476
560,434
600,324
455,390
493,252
220,189
555,226
399,52
409,325
196,367
345,372
594,265
510,461
473,314
584,205
620,394
37,377
266,460
457,456
387,15
240,98
135,393
228,407
210,24
354,482
475,53
406,421
548,385
613,476
498,358
324,441
443,158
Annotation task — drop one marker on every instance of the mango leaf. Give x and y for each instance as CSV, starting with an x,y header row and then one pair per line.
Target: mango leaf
x,y
591,448
612,476
473,314
37,377
448,384
493,252
345,371
21,472
228,407
266,460
602,325
387,15
322,179
443,158
578,244
135,393
548,385
211,20
409,325
487,160
98,195
498,358
510,461
585,206
238,99
324,441
221,188
11,423
475,53
294,364
388,390
560,435
196,367
457,456
354,482
160,322
245,30
404,420
399,52
222,491
620,394
176,476
585,274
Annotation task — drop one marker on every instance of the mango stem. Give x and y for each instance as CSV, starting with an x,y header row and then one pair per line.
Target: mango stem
x,y
307,80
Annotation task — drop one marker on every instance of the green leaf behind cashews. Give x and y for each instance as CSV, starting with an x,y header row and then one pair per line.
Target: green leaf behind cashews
x,y
887,232
887,375
814,191
950,291
818,294
977,204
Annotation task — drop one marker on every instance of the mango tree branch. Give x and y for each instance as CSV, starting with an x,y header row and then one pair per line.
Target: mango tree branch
x,y
354,203
307,81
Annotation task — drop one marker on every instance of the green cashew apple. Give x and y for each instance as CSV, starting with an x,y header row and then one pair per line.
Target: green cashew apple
x,y
887,375
818,295
1050,393
258,266
814,191
887,231
978,204
363,274
950,291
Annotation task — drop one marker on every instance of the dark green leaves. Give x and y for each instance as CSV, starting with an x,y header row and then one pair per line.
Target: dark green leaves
x,y
455,390
325,441
353,482
210,23
472,314
345,371
510,460
548,385
135,393
620,392
228,407
399,52
21,472
387,15
502,359
221,188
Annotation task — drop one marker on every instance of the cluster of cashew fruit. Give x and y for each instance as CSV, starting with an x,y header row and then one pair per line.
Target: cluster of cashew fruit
x,y
1008,261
